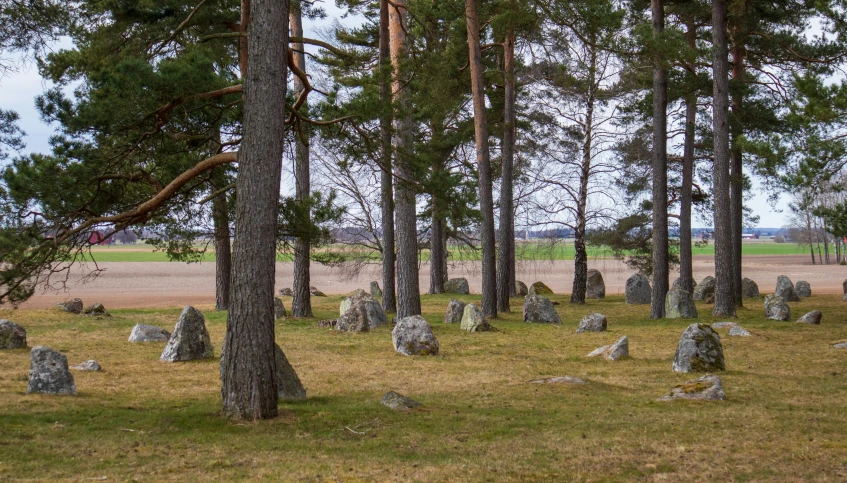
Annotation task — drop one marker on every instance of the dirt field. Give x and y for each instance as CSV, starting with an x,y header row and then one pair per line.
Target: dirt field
x,y
163,284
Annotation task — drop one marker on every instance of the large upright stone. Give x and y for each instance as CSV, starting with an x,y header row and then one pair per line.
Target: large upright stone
x,y
412,336
279,308
190,339
803,289
474,321
376,316
699,350
148,333
355,319
679,305
48,373
676,283
776,308
12,335
73,306
785,289
749,289
520,289
705,291
592,323
595,287
539,288
375,290
455,311
638,291
457,286
288,385
539,309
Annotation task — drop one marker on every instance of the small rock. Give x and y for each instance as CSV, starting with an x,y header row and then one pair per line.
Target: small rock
x,y
708,388
539,288
286,292
749,289
738,331
776,308
375,290
148,333
316,293
559,380
190,339
803,289
840,345
73,306
279,308
373,309
288,385
474,321
331,323
679,305
699,350
96,310
12,335
706,289
844,298
613,352
90,365
520,289
595,287
457,286
785,289
48,373
412,336
398,402
638,291
813,317
455,311
539,309
723,325
592,323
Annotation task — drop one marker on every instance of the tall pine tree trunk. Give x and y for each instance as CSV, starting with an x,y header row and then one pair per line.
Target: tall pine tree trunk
x,y
223,253
389,300
505,261
660,172
301,304
483,159
248,380
736,197
724,297
686,258
405,218
436,250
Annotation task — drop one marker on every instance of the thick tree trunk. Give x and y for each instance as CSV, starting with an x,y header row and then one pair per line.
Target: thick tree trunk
x,y
505,263
724,297
483,159
248,379
436,251
580,276
389,299
301,304
660,172
408,291
736,197
223,254
686,258
242,41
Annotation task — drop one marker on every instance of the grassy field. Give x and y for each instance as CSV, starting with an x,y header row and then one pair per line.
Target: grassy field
x,y
524,251
783,420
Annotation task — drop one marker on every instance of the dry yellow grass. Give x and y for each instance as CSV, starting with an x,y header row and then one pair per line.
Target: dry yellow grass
x,y
784,417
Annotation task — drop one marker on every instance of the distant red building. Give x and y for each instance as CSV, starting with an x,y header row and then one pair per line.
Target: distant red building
x,y
97,238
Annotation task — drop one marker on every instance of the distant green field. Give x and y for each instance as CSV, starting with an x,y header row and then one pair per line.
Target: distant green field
x,y
524,251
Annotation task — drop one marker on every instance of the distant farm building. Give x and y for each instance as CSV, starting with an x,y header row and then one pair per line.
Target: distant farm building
x,y
749,236
97,238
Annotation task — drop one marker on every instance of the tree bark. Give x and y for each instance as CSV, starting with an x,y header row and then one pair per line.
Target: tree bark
x,y
580,277
736,196
405,217
660,172
248,380
301,304
389,299
483,159
223,253
436,251
686,257
724,297
505,263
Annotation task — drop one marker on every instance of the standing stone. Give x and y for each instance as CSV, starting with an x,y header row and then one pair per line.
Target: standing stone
x,y
592,323
539,288
679,305
699,350
539,309
73,306
749,289
707,388
148,333
595,287
676,284
706,289
375,290
776,308
190,339
520,289
803,289
12,335
398,402
355,319
97,310
455,311
474,321
412,336
813,317
286,292
376,316
638,291
785,289
48,373
457,286
279,308
288,385
90,365
738,331
613,352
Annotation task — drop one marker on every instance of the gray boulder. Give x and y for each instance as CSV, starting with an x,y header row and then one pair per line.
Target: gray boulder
x,y
705,291
288,385
749,289
355,319
286,292
12,335
376,316
539,309
279,308
148,333
520,289
474,321
315,292
375,290
638,291
48,373
457,286
592,323
738,331
679,305
699,350
776,308
96,310
813,317
613,352
840,345
559,380
707,388
190,339
803,289
455,311
90,365
539,288
73,306
398,402
785,289
595,287
723,325
412,336
676,284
